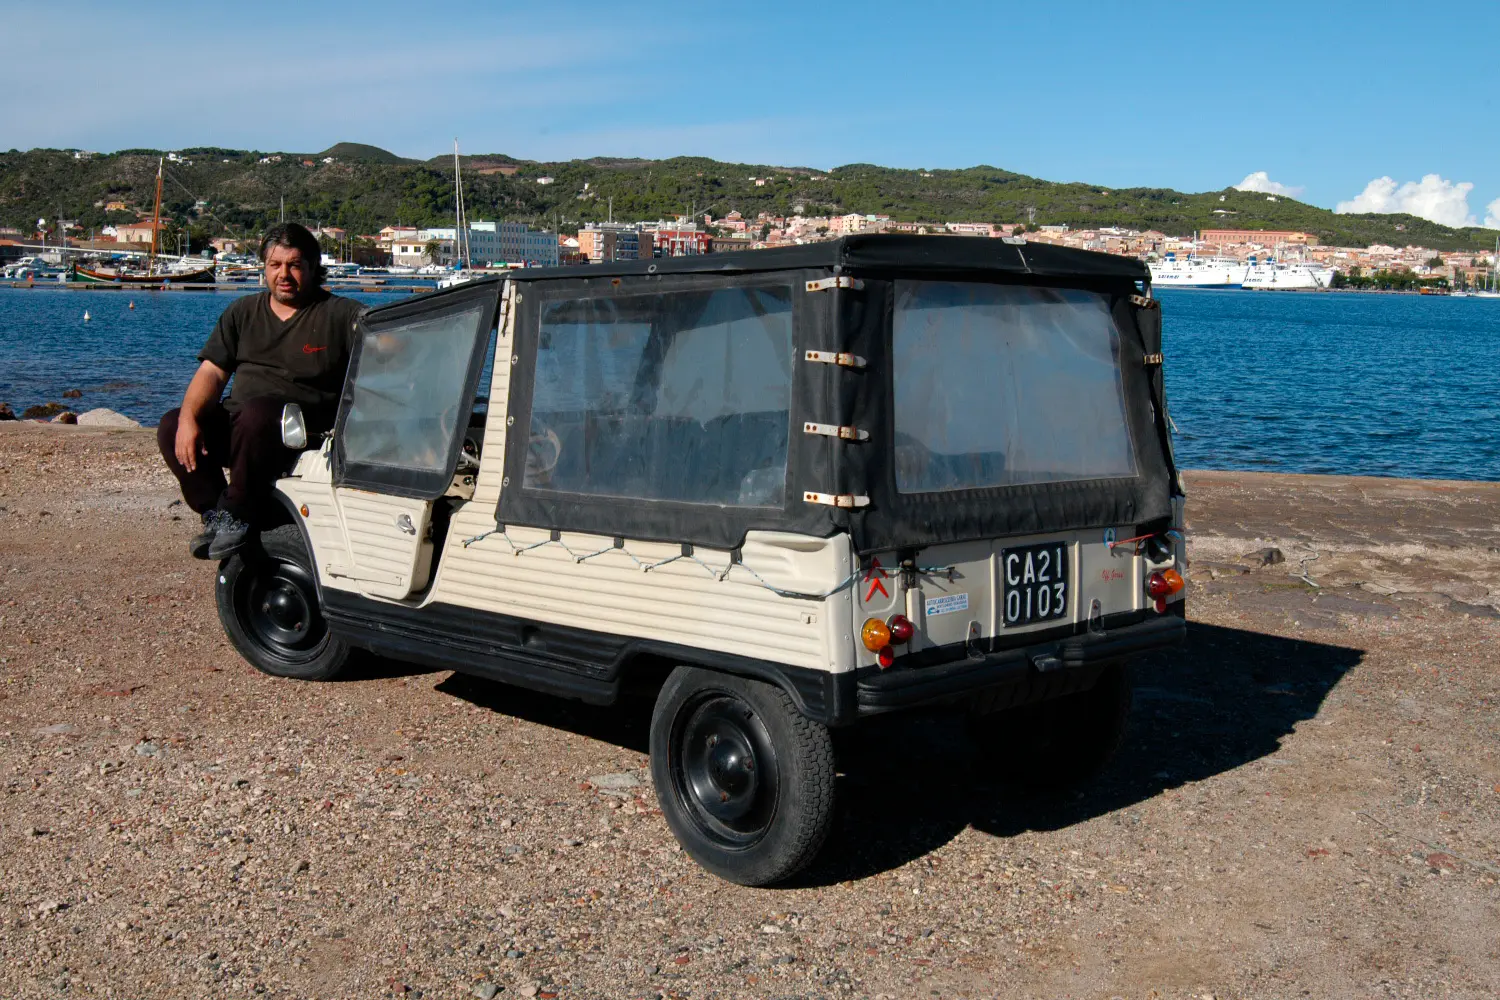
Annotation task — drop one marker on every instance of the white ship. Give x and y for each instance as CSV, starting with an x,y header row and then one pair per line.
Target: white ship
x,y
1287,276
1198,272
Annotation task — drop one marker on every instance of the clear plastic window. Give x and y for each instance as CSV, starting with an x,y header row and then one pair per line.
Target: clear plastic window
x,y
680,396
1002,386
408,390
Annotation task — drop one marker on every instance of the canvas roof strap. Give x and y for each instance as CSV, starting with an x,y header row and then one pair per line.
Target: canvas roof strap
x,y
842,432
837,281
841,358
847,501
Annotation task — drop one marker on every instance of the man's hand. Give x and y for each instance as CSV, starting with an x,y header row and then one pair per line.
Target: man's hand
x,y
208,382
189,442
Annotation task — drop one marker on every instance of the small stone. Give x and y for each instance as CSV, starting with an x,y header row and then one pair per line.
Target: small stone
x,y
512,953
147,749
6,413
572,842
66,417
301,866
616,782
1263,557
529,990
52,906
486,991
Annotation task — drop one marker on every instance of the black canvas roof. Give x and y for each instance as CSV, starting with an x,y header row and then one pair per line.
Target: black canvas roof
x,y
909,255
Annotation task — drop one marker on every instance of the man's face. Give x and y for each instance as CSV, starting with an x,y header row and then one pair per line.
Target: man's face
x,y
288,276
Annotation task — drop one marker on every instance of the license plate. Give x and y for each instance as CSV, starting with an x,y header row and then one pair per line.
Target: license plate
x,y
1035,583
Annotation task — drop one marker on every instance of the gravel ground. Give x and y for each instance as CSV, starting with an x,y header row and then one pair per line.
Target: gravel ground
x,y
1308,802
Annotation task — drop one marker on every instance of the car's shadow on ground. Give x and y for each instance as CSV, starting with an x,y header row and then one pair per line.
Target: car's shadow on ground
x,y
909,784
1222,699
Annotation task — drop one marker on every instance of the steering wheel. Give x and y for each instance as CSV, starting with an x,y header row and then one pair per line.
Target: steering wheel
x,y
542,452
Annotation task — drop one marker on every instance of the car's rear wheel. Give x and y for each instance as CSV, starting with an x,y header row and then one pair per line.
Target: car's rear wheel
x,y
268,605
745,781
1060,743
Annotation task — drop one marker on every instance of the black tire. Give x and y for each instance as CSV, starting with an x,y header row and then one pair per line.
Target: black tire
x,y
1060,743
745,781
268,604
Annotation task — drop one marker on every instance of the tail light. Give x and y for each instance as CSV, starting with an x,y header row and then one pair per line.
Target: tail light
x,y
879,637
1161,585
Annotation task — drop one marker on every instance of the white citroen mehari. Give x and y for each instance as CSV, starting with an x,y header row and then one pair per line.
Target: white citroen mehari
x,y
783,490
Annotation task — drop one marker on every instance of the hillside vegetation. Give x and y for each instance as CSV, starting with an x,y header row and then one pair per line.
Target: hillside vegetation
x,y
367,187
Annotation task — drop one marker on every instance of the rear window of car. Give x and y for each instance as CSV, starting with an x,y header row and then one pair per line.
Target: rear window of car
x,y
999,385
679,397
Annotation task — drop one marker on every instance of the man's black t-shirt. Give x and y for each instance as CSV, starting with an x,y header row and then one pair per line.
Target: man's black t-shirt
x,y
301,360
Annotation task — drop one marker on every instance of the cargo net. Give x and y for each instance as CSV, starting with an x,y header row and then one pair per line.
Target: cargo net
x,y
687,553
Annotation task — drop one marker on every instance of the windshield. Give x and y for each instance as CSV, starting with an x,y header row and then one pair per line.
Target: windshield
x,y
1001,385
408,386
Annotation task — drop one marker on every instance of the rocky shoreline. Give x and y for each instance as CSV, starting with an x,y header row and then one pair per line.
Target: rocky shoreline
x,y
1308,800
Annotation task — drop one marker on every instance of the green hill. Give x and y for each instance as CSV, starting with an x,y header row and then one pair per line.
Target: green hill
x,y
362,153
367,187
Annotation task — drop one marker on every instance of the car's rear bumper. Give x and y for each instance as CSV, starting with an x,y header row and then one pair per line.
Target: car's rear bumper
x,y
1020,674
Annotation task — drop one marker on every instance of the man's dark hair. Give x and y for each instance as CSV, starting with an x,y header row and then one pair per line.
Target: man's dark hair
x,y
296,237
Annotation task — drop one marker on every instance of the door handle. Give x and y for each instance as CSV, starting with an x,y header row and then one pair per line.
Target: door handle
x,y
404,522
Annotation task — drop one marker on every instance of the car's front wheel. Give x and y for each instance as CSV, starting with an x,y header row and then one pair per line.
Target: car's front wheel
x,y
745,781
268,605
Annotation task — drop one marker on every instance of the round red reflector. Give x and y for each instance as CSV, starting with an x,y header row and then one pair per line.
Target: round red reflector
x,y
901,629
1157,586
885,657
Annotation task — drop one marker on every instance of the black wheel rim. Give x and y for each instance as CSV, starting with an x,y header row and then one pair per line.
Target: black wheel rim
x,y
277,602
725,772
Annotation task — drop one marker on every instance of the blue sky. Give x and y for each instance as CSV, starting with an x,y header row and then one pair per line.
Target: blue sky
x,y
1325,98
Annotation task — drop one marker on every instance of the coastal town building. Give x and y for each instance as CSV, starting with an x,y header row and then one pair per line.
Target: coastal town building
x,y
605,241
1264,237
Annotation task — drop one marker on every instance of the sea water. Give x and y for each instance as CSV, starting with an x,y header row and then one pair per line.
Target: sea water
x,y
1361,384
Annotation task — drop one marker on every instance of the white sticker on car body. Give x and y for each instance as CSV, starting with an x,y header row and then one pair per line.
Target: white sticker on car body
x,y
947,604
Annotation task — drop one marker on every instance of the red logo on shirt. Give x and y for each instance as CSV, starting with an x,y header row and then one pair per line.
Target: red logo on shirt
x,y
310,349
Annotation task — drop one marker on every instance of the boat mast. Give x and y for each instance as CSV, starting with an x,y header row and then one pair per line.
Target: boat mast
x,y
155,221
459,233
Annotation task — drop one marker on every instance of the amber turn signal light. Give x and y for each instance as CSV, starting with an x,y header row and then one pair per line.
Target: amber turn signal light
x,y
876,635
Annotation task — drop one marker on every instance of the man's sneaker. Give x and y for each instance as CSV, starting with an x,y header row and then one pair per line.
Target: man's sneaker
x,y
201,541
229,537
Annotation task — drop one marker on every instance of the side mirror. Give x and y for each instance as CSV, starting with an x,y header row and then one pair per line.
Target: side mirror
x,y
293,427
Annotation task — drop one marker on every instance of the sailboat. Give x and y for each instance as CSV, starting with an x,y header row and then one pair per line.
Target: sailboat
x,y
151,276
1493,292
461,250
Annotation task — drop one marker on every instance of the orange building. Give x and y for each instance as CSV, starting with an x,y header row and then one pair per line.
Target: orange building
x,y
1265,237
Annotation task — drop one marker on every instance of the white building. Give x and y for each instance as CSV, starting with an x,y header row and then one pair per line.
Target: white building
x,y
489,243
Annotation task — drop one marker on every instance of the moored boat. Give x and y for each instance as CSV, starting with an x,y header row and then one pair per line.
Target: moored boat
x,y
120,276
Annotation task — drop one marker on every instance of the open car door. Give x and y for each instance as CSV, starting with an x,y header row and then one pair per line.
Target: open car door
x,y
410,390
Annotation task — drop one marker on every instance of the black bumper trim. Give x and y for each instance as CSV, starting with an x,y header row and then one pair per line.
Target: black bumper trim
x,y
898,688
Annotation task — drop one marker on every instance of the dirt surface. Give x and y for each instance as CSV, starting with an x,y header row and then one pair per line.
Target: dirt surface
x,y
1308,802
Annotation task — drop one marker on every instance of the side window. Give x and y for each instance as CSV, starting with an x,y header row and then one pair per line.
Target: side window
x,y
408,389
677,396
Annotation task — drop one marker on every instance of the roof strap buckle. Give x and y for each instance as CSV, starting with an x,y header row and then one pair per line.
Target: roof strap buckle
x,y
842,432
1141,302
837,281
1153,359
843,500
843,360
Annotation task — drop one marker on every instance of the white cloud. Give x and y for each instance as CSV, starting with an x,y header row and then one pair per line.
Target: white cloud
x,y
1261,182
1492,215
1433,198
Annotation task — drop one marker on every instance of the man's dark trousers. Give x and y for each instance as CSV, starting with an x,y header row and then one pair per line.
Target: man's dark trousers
x,y
247,442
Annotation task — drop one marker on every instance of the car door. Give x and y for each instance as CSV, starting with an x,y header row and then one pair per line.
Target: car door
x,y
407,399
